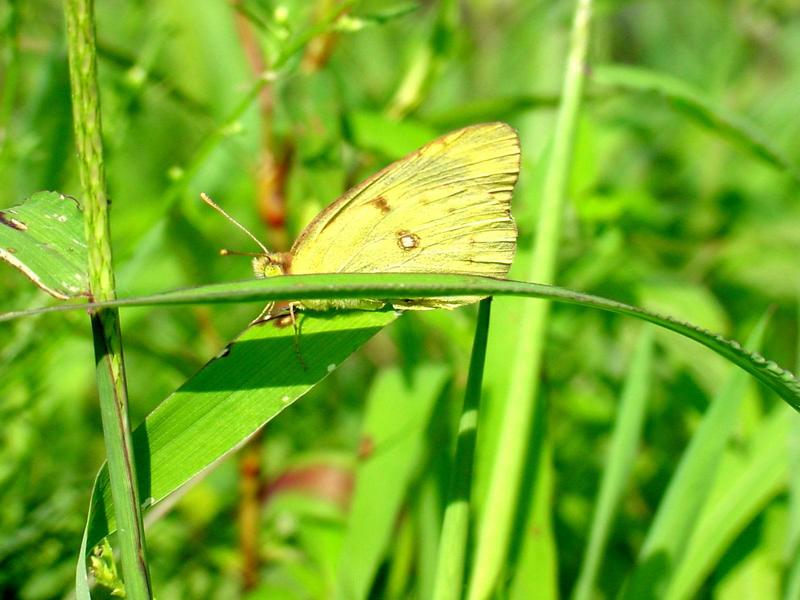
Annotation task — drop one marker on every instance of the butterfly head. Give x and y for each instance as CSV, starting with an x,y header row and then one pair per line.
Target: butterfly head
x,y
271,264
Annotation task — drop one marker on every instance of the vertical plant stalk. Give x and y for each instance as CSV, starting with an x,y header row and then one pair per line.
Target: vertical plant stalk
x,y
249,517
503,492
449,581
105,323
619,461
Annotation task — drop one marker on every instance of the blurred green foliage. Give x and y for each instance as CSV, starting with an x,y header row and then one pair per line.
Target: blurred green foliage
x,y
668,210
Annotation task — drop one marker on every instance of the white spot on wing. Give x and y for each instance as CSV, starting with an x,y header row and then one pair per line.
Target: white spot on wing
x,y
407,240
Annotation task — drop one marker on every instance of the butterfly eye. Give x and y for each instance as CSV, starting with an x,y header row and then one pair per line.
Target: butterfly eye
x,y
264,266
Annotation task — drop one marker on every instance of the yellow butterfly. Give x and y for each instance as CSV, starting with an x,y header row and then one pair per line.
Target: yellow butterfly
x,y
445,208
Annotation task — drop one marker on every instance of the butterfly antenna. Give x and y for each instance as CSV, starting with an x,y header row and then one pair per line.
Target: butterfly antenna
x,y
204,197
226,252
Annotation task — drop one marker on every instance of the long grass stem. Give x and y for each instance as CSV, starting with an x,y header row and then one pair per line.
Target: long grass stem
x,y
455,528
502,497
110,368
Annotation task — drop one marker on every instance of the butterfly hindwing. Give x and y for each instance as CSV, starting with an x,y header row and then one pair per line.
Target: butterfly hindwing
x,y
444,208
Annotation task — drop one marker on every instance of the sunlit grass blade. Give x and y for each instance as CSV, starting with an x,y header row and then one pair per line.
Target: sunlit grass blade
x,y
456,524
399,407
425,509
792,552
401,569
621,453
741,493
536,568
500,505
691,485
250,382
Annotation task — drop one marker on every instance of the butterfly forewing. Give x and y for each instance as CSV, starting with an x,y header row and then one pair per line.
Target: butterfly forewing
x,y
444,208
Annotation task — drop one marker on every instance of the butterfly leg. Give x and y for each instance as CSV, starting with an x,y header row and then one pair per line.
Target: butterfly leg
x,y
265,314
296,328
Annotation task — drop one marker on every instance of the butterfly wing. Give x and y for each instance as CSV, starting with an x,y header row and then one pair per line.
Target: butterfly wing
x,y
444,208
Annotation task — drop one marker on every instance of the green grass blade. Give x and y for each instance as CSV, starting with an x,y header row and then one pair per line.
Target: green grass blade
x,y
455,527
699,107
622,451
395,437
409,285
427,513
250,382
82,585
690,486
792,590
793,580
740,497
537,567
501,502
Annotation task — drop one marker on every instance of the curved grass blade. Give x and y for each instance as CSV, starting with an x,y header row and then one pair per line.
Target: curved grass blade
x,y
699,107
414,285
215,411
43,238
